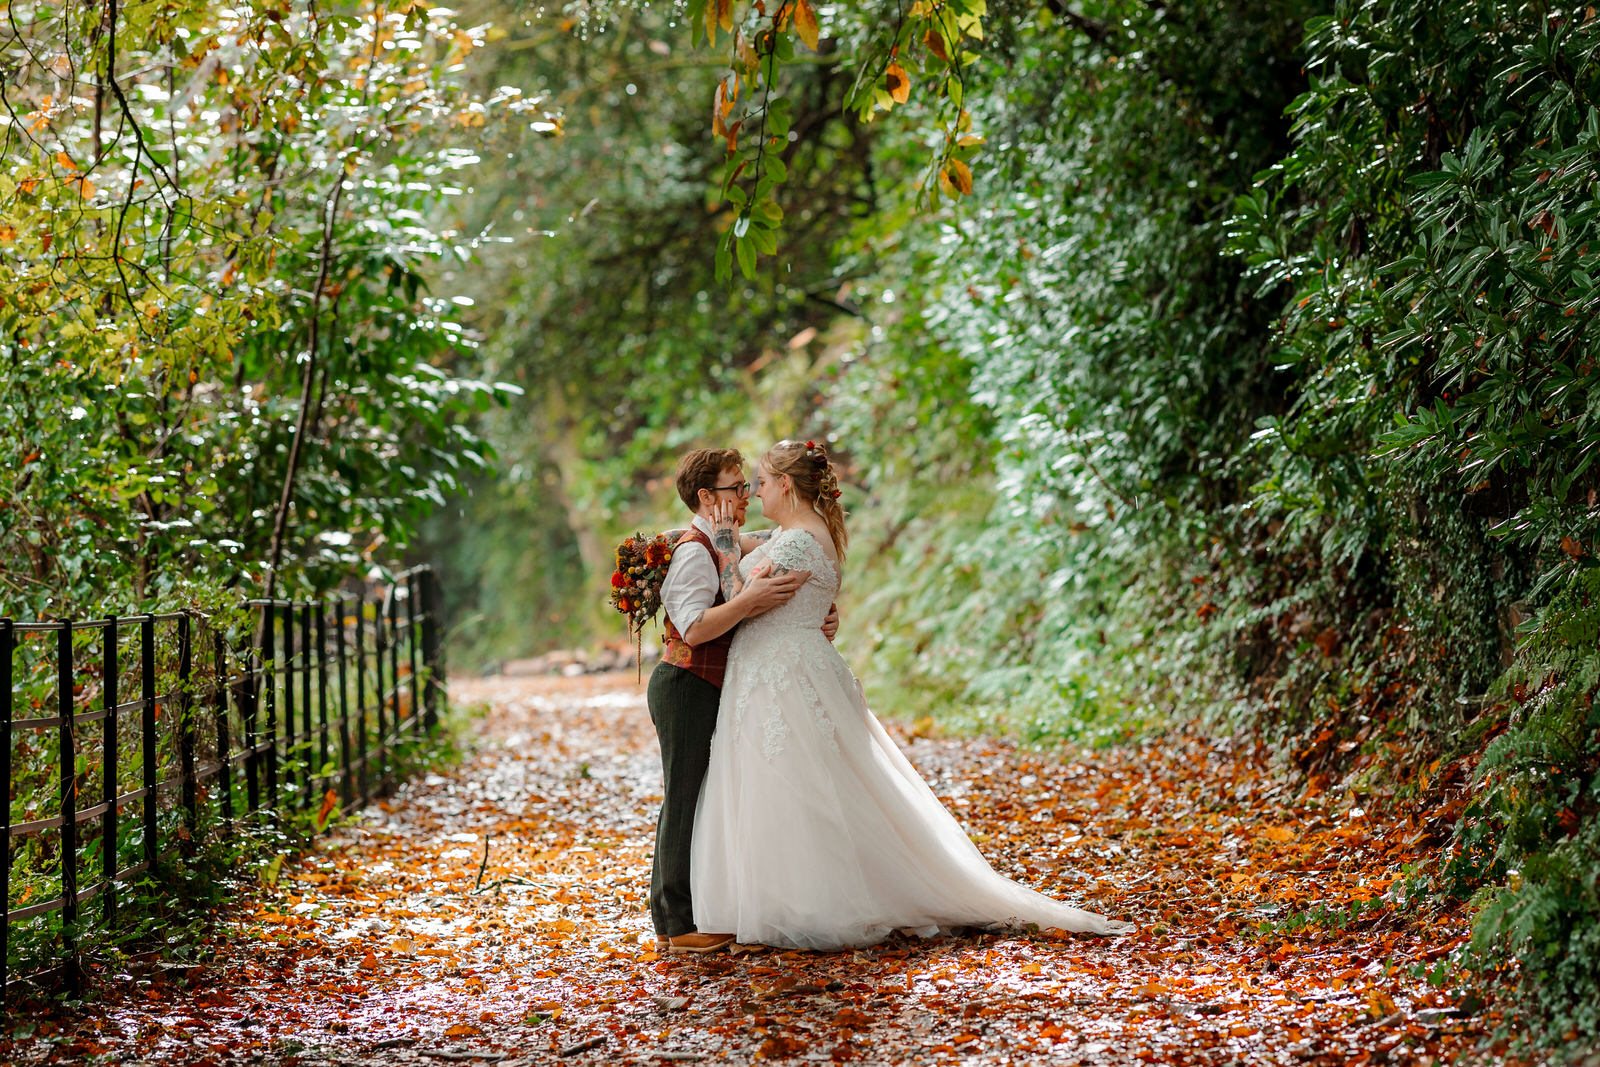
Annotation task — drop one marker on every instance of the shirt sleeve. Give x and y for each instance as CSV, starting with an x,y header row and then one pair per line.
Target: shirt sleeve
x,y
691,585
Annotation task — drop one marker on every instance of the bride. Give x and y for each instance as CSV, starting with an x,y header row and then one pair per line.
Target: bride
x,y
813,830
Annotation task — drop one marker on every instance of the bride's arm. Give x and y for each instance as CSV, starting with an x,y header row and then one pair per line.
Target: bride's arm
x,y
751,541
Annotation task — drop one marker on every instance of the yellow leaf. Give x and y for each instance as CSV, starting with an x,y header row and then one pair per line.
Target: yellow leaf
x,y
898,84
462,1030
805,23
66,162
725,15
7,234
746,53
1280,834
960,175
720,106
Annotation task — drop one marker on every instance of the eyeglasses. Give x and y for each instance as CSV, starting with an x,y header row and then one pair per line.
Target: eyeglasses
x,y
742,488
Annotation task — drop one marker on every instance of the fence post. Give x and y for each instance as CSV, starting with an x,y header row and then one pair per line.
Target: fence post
x,y
219,695
69,804
347,791
269,664
380,648
147,733
249,703
322,688
306,747
430,644
413,584
394,658
186,735
8,639
361,695
108,823
289,751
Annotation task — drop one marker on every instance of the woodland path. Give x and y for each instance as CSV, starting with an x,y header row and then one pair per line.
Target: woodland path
x,y
397,942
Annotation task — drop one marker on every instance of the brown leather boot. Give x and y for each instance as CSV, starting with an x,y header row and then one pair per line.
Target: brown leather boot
x,y
698,943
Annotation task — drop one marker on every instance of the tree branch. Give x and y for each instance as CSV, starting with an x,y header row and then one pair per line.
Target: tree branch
x,y
280,521
1094,29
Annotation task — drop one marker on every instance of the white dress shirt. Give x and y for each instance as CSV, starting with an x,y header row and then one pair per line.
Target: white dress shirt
x,y
691,585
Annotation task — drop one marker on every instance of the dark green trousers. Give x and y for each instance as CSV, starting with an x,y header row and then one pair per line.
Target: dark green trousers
x,y
683,707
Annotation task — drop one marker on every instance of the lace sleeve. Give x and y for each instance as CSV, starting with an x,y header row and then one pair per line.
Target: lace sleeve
x,y
791,551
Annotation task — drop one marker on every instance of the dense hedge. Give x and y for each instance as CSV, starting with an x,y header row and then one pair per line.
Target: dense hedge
x,y
1302,412
1251,382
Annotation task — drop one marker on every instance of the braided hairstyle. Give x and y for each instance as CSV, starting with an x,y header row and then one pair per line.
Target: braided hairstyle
x,y
815,481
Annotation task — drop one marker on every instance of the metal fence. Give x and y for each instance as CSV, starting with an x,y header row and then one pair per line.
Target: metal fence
x,y
238,715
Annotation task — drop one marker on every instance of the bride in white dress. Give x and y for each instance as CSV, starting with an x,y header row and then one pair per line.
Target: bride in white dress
x,y
813,830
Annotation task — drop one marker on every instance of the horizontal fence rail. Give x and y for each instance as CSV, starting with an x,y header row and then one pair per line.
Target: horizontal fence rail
x,y
126,742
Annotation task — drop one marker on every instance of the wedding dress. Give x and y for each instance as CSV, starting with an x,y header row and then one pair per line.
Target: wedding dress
x,y
813,830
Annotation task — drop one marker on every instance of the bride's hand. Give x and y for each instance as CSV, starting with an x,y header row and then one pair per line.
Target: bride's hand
x,y
724,526
830,625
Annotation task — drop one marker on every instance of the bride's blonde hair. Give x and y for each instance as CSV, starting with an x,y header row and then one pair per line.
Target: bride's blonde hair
x,y
815,481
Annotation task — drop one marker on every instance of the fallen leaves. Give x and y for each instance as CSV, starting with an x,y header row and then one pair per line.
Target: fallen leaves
x,y
386,944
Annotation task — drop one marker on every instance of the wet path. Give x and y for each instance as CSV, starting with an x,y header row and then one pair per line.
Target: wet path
x,y
497,915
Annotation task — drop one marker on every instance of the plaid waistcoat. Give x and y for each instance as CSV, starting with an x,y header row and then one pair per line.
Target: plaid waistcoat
x,y
709,660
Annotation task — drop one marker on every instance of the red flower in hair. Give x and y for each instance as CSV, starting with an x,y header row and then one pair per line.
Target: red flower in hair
x,y
811,444
618,581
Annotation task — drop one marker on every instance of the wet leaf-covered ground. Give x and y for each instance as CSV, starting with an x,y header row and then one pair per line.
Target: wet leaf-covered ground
x,y
496,914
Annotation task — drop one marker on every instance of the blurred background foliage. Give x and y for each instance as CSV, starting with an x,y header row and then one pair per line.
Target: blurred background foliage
x,y
1248,385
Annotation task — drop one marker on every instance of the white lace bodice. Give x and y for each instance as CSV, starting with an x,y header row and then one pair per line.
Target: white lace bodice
x,y
777,650
795,550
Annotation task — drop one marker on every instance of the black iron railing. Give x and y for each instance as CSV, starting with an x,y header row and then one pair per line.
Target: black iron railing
x,y
239,715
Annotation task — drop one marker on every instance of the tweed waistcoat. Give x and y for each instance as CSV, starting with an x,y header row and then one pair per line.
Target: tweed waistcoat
x,y
708,660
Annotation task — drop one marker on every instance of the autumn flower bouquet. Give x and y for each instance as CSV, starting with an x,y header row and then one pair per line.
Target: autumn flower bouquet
x,y
636,583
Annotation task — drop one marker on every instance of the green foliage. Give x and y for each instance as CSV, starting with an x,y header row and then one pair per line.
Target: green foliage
x,y
602,304
1105,340
1435,220
220,363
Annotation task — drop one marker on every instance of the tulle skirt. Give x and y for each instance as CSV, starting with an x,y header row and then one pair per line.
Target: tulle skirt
x,y
814,831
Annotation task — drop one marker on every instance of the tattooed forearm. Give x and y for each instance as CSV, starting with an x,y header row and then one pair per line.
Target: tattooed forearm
x,y
727,546
728,575
751,541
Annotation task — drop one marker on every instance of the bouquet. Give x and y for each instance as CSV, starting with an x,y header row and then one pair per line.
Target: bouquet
x,y
636,584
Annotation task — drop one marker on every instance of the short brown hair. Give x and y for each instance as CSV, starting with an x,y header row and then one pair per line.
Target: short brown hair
x,y
700,469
